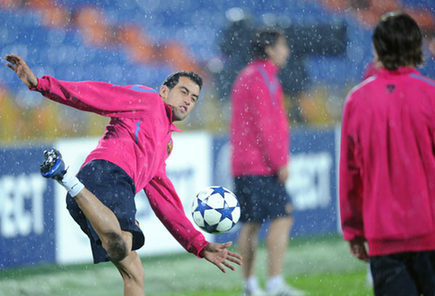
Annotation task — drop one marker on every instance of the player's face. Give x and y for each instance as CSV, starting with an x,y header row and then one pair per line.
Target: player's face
x,y
279,53
182,97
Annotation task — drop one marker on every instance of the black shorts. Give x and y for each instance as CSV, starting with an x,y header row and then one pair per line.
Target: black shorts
x,y
262,198
404,274
116,190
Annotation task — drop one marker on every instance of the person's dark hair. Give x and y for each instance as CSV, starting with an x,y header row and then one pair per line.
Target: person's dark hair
x,y
264,38
172,79
398,41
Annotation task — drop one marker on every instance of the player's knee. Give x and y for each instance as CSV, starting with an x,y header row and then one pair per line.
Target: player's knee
x,y
116,247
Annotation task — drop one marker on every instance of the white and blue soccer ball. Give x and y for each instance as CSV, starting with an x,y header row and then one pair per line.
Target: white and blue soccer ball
x,y
215,209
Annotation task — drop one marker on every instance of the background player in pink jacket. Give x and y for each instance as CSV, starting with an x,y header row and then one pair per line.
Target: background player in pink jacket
x,y
129,157
259,134
387,164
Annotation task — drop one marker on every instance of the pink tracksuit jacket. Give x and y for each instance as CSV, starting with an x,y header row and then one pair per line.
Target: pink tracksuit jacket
x,y
137,139
387,162
259,129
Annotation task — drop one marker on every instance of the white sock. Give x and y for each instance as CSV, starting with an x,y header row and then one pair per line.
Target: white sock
x,y
251,284
71,184
274,282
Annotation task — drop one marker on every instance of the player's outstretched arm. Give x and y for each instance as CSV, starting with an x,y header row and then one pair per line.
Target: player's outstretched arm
x,y
23,71
219,255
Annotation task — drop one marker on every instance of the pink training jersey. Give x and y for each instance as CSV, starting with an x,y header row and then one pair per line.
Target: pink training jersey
x,y
259,129
387,162
137,139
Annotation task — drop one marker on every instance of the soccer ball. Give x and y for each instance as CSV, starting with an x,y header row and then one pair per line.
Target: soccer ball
x,y
215,209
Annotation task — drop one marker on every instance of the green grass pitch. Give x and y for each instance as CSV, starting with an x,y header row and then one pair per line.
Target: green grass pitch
x,y
319,266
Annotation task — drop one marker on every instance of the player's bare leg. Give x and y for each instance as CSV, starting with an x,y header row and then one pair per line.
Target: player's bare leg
x,y
106,225
102,219
116,242
132,273
247,243
276,243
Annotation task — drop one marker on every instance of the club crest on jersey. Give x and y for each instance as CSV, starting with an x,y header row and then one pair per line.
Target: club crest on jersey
x,y
169,147
391,88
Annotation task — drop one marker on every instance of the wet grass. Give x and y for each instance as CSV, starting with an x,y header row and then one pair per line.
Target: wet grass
x,y
320,266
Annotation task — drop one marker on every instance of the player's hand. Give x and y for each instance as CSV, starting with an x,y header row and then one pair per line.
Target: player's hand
x,y
358,249
23,71
219,255
283,174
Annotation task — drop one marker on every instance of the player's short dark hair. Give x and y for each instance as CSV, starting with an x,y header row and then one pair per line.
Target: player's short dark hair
x,y
173,79
398,41
263,38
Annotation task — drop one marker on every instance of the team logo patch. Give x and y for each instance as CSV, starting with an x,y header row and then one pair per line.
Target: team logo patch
x,y
169,147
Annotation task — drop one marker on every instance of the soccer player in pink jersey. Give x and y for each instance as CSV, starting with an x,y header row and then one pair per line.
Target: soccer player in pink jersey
x,y
260,139
387,164
130,156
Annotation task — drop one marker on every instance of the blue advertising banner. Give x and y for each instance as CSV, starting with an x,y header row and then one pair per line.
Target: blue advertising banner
x,y
312,183
26,209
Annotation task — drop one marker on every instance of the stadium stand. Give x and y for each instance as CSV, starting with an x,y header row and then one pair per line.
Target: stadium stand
x,y
129,42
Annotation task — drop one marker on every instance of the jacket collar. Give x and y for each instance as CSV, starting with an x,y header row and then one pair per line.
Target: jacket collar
x,y
400,71
268,65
